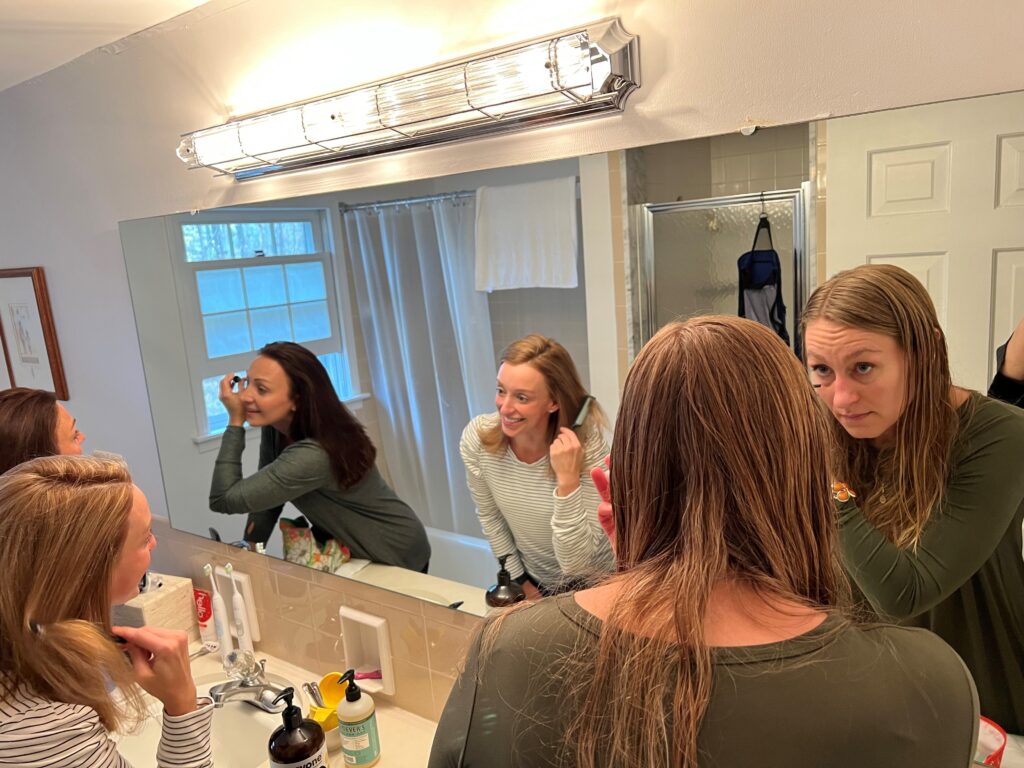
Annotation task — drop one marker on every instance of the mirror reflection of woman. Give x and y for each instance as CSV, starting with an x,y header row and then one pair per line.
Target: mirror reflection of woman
x,y
721,639
314,454
528,471
931,500
33,423
75,538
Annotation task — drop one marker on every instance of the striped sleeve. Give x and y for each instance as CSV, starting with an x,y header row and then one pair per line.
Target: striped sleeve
x,y
38,733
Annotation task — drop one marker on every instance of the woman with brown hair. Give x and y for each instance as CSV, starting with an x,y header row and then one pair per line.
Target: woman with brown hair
x,y
721,638
75,538
528,470
929,477
313,453
33,423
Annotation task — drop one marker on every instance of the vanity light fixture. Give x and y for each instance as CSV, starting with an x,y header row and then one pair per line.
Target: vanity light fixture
x,y
578,73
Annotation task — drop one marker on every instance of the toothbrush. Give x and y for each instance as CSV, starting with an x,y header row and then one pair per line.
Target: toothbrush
x,y
220,612
241,616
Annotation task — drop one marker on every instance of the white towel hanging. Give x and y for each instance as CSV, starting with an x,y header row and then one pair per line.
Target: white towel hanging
x,y
526,235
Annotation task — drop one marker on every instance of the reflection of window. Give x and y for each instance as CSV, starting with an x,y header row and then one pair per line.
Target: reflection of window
x,y
245,281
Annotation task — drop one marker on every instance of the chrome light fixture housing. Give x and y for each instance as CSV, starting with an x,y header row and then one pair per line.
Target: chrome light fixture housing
x,y
574,74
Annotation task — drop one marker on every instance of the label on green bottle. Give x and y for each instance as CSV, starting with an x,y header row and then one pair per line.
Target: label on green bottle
x,y
360,743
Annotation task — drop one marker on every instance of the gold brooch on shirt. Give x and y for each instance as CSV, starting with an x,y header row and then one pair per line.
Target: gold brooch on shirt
x,y
842,492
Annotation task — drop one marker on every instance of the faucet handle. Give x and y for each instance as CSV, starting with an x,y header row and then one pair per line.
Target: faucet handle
x,y
242,665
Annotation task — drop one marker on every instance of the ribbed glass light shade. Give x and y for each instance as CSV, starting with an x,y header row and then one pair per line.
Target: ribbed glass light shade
x,y
588,71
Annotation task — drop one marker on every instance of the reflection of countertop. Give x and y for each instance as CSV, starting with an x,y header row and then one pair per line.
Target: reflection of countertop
x,y
433,589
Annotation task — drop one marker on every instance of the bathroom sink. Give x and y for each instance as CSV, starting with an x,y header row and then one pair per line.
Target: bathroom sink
x,y
239,735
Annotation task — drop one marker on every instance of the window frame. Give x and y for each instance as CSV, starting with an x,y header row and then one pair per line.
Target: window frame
x,y
200,365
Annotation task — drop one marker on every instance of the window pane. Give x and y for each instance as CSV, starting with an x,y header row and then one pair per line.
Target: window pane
x,y
270,325
220,290
337,370
311,321
293,237
226,334
216,414
306,281
206,242
251,239
264,286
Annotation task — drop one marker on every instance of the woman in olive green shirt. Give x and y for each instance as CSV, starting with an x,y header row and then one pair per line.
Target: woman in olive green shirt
x,y
930,477
721,640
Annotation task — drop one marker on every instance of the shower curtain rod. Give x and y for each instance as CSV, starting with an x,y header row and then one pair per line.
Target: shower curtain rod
x,y
410,200
423,199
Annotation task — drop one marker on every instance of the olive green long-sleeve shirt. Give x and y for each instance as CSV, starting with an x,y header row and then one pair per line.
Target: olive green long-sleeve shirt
x,y
842,697
965,579
368,518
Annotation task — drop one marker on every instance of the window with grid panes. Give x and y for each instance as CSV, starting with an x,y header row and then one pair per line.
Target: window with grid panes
x,y
248,279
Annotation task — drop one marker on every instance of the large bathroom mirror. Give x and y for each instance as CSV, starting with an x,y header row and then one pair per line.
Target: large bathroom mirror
x,y
382,285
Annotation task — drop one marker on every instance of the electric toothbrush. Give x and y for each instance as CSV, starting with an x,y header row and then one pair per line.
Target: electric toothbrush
x,y
241,616
220,614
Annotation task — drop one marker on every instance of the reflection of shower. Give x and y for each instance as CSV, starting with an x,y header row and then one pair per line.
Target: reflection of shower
x,y
685,254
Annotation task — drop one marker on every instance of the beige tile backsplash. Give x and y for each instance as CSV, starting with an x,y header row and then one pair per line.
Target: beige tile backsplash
x,y
298,614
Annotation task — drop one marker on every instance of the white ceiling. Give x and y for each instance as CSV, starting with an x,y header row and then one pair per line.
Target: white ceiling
x,y
39,35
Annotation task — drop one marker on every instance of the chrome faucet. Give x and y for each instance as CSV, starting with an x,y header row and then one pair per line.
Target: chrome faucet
x,y
252,688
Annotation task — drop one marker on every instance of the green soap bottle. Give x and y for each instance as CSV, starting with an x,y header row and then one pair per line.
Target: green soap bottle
x,y
298,742
357,722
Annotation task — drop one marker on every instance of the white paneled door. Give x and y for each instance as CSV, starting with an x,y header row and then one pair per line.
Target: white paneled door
x,y
939,191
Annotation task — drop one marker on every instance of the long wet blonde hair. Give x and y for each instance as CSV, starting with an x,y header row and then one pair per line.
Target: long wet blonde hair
x,y
63,522
719,472
897,487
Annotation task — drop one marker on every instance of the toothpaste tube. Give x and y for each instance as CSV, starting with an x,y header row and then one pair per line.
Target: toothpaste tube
x,y
204,613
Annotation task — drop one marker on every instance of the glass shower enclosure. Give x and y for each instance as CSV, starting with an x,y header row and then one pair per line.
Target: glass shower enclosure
x,y
684,254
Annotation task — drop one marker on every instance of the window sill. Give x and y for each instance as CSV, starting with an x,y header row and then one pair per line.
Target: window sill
x,y
207,443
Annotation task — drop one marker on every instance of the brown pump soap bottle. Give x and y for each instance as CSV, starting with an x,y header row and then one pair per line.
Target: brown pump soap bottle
x,y
506,591
299,742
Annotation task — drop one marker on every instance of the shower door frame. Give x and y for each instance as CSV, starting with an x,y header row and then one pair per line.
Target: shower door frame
x,y
643,319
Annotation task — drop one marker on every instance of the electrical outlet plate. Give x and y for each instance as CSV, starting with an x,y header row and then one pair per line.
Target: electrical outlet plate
x,y
245,583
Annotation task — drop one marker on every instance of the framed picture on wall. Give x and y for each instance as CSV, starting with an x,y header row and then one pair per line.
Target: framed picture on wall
x,y
31,355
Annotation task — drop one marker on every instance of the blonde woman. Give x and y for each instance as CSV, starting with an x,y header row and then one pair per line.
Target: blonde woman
x,y
930,477
75,538
528,470
720,641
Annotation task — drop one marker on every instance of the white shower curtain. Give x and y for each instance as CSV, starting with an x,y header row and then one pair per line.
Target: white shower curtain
x,y
428,340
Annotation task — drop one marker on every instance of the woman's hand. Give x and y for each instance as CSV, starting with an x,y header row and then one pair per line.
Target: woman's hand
x,y
160,660
605,515
566,461
232,401
1013,364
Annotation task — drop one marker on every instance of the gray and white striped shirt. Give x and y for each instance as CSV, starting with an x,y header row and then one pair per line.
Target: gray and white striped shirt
x,y
39,733
552,537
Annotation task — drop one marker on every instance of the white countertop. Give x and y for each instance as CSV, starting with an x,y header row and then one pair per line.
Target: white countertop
x,y
405,738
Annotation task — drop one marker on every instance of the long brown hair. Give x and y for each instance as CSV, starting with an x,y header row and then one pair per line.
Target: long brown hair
x,y
28,425
555,364
719,471
321,416
63,522
897,487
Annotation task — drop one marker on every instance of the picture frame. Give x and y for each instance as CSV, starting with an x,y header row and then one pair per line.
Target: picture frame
x,y
28,335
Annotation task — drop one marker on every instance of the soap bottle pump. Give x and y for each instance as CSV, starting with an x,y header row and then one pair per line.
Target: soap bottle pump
x,y
357,721
299,741
506,591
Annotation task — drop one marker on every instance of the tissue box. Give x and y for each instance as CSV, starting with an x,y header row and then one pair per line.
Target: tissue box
x,y
171,606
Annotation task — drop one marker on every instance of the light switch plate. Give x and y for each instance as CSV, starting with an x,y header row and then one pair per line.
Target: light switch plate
x,y
243,580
